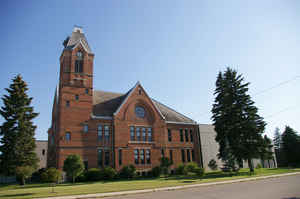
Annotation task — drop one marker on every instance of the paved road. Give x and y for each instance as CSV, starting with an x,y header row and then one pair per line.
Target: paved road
x,y
287,187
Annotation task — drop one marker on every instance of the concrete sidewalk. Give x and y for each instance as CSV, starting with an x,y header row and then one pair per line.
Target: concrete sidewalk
x,y
99,195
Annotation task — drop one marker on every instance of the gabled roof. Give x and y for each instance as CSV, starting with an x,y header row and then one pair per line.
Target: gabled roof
x,y
105,104
77,38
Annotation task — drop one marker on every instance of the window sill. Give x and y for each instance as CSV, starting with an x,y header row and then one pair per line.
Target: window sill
x,y
140,142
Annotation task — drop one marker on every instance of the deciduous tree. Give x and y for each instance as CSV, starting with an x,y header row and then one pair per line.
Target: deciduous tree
x,y
73,166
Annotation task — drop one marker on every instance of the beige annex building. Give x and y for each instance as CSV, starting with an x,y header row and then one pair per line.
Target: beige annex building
x,y
210,147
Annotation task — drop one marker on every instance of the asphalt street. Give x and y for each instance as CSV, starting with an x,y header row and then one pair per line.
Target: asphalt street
x,y
287,187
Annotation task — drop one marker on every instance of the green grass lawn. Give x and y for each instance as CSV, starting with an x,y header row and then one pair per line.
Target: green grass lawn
x,y
43,190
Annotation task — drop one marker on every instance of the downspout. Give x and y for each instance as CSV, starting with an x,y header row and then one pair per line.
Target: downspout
x,y
113,144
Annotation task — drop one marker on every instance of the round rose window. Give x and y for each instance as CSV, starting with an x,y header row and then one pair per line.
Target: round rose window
x,y
140,111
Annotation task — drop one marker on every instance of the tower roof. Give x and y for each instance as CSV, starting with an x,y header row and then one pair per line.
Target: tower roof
x,y
76,38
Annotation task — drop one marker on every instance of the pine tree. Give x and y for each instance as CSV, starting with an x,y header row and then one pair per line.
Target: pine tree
x,y
277,139
280,156
291,146
266,151
236,119
17,131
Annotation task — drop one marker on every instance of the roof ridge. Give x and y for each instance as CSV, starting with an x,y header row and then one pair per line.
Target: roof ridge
x,y
109,92
173,110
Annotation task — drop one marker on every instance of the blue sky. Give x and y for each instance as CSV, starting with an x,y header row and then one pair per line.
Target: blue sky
x,y
174,48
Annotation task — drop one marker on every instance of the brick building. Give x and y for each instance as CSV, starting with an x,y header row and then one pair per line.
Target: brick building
x,y
113,129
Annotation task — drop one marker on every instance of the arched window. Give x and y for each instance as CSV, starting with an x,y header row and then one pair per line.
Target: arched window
x,y
79,62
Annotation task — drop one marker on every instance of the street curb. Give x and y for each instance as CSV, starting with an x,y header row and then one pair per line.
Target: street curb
x,y
99,195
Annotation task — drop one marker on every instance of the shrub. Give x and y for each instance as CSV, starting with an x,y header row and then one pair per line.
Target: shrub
x,y
155,172
82,177
190,168
199,171
93,174
109,173
258,166
165,163
213,165
127,172
180,169
51,175
37,176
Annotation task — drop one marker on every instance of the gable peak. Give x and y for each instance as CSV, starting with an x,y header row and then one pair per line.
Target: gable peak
x,y
77,38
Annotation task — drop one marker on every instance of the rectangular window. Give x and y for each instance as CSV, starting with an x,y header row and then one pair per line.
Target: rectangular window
x,y
138,134
106,158
100,133
136,156
68,136
132,138
144,134
171,155
148,156
150,134
162,153
67,103
100,158
182,155
86,91
78,66
85,128
181,135
142,156
76,97
191,135
106,133
193,155
86,164
186,135
188,155
120,156
169,135
52,140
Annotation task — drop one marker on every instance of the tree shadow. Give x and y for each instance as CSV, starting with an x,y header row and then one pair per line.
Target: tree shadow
x,y
292,198
15,195
188,181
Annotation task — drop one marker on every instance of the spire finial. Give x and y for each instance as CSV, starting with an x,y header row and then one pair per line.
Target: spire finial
x,y
78,29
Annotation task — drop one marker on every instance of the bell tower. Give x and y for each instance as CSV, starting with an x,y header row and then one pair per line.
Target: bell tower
x,y
75,94
76,61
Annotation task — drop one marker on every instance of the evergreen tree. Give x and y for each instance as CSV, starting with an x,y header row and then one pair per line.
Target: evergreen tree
x,y
17,131
277,139
291,146
280,156
266,152
236,119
